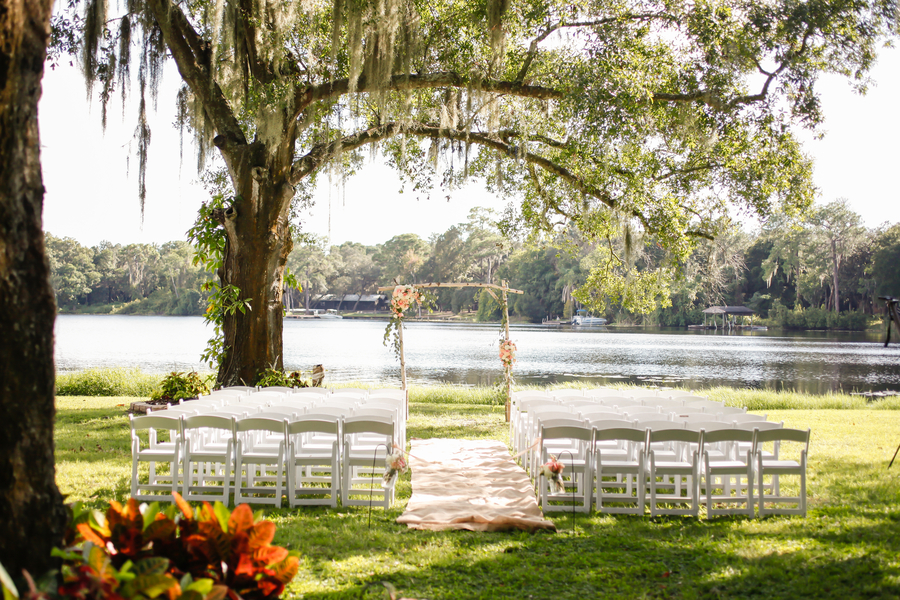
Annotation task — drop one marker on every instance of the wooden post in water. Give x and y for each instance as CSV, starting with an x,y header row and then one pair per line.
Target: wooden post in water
x,y
506,333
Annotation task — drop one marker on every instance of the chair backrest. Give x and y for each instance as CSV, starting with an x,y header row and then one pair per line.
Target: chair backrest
x,y
659,425
620,401
715,436
310,391
261,423
280,389
342,401
641,410
368,411
647,399
783,435
367,424
619,433
529,403
528,394
217,421
728,410
315,423
279,412
709,406
156,421
696,418
761,425
271,397
675,435
564,422
709,426
745,418
602,392
685,395
576,402
595,414
664,404
570,393
389,403
329,411
246,389
567,431
620,423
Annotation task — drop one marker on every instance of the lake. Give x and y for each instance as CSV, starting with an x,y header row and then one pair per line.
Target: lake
x,y
467,354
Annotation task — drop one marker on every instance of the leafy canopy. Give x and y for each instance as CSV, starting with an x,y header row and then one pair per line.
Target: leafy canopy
x,y
655,117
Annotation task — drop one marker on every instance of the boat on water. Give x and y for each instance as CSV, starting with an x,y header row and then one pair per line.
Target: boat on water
x,y
583,319
328,314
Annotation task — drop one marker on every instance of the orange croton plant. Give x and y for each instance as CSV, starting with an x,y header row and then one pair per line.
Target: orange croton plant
x,y
210,554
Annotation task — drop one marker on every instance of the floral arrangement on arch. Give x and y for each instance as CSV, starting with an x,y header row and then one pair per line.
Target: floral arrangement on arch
x,y
507,353
402,298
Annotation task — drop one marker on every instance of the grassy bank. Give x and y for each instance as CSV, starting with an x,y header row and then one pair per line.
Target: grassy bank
x,y
848,546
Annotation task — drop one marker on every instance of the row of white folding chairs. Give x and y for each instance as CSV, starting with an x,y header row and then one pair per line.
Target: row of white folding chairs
x,y
674,470
304,402
524,422
524,400
208,455
600,393
532,454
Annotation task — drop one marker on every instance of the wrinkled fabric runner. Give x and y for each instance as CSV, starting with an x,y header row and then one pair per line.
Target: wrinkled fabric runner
x,y
469,484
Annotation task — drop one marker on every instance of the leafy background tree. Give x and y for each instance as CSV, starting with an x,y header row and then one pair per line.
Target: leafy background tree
x,y
651,116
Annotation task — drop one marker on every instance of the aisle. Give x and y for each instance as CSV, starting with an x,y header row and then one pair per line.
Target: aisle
x,y
469,484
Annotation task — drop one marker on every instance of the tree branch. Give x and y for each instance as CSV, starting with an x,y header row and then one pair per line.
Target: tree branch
x,y
533,47
305,96
191,56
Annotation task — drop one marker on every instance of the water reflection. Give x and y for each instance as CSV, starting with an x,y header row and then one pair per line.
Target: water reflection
x,y
467,354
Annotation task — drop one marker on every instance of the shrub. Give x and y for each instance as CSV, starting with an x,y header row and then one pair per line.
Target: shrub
x,y
177,386
106,382
278,378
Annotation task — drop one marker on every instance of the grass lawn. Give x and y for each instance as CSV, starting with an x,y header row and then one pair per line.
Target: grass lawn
x,y
848,547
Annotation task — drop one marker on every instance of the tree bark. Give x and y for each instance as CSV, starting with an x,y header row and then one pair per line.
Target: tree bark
x,y
836,267
257,247
33,513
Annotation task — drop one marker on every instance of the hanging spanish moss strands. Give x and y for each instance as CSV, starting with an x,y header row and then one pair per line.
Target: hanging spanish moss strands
x,y
94,31
496,10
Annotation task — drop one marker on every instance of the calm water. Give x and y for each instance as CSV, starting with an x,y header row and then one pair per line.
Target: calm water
x,y
352,350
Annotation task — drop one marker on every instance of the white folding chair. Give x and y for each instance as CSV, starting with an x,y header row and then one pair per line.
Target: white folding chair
x,y
259,463
363,463
154,453
744,418
620,470
313,470
709,406
664,404
776,465
727,472
577,475
207,460
279,389
674,479
244,389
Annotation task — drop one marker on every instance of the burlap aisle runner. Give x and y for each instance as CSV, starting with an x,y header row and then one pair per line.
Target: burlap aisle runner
x,y
466,484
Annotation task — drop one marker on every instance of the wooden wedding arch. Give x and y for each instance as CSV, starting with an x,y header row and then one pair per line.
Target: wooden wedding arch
x,y
504,290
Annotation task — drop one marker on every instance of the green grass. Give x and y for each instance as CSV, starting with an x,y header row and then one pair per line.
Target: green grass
x,y
848,547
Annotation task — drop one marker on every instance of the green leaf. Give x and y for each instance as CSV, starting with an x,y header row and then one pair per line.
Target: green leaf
x,y
9,588
150,586
222,514
153,565
150,513
203,586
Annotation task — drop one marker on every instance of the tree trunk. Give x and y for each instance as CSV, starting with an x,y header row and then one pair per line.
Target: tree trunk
x,y
258,243
33,513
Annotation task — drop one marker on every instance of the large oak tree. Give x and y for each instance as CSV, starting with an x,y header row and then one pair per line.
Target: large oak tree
x,y
31,505
656,118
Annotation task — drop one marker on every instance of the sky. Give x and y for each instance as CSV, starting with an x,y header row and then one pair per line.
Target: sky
x,y
91,184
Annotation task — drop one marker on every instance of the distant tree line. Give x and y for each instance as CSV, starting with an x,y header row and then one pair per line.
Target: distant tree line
x,y
824,271
132,279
